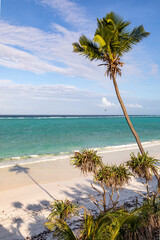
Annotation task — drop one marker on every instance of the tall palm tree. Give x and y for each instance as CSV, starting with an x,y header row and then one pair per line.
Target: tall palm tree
x,y
111,41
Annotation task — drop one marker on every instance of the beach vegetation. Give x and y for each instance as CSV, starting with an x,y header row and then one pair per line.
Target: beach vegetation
x,y
113,221
145,224
112,39
145,167
141,223
61,230
87,161
63,209
112,178
108,178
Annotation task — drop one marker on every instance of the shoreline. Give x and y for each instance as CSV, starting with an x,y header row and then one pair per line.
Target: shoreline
x,y
17,174
31,159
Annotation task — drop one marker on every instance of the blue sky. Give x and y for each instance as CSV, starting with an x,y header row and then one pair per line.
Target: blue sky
x,y
41,75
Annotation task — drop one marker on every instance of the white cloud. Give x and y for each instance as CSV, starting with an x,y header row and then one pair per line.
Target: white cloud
x,y
34,50
46,99
106,103
68,10
134,106
64,99
5,82
14,58
52,92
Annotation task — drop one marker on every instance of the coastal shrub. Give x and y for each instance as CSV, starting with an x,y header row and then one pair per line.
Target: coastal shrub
x,y
87,161
63,209
61,212
144,166
141,223
104,226
92,228
61,230
112,178
113,222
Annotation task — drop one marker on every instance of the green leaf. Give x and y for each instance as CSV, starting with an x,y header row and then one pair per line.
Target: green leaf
x,y
98,39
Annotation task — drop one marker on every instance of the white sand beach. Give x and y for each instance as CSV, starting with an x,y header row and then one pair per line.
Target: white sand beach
x,y
26,190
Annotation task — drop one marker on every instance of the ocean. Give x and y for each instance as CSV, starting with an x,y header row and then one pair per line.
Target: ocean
x,y
41,135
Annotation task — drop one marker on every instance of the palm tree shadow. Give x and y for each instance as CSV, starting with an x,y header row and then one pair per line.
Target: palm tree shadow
x,y
29,220
19,169
13,232
80,194
16,230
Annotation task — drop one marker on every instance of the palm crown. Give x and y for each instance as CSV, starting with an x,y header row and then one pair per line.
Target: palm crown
x,y
112,40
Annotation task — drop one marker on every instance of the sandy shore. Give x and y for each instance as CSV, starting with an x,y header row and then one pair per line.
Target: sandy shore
x,y
26,190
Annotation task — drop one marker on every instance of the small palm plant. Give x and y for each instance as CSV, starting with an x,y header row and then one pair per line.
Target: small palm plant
x,y
63,209
102,227
87,161
61,230
111,41
145,224
112,178
61,212
113,225
144,167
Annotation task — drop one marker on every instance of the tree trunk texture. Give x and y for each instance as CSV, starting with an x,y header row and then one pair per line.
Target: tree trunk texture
x,y
127,117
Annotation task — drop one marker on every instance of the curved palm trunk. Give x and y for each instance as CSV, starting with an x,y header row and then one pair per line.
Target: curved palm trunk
x,y
126,116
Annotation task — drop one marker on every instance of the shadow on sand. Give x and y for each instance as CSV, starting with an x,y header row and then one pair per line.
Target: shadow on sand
x,y
33,227
19,169
30,218
128,196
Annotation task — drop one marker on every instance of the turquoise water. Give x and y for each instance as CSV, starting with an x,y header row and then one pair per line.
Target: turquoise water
x,y
32,136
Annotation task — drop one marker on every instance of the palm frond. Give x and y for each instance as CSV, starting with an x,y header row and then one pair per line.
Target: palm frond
x,y
88,227
63,231
114,17
77,48
143,165
129,39
63,209
88,48
98,39
87,160
138,34
113,176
